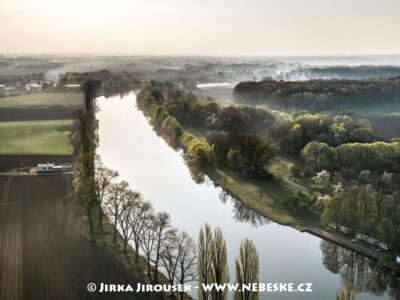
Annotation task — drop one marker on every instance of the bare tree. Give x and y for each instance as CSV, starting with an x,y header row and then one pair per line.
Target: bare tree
x,y
157,234
148,240
104,177
179,259
186,260
139,217
115,203
169,259
130,200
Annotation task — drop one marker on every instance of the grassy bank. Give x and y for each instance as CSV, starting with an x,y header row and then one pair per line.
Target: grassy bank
x,y
264,197
36,137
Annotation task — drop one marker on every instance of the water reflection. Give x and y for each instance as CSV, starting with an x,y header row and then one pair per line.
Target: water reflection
x,y
242,213
366,275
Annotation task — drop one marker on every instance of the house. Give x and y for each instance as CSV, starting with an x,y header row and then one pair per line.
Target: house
x,y
398,259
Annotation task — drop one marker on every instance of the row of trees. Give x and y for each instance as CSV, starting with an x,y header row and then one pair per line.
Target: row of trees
x,y
164,249
212,266
364,207
162,100
240,151
134,220
294,134
318,95
86,122
354,157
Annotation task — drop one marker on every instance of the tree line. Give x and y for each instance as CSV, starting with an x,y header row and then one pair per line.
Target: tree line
x,y
368,205
165,250
318,95
235,143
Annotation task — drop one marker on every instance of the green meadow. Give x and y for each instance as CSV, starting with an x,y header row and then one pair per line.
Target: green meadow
x,y
36,137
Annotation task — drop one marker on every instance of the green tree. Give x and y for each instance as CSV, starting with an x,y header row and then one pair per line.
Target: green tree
x,y
220,271
333,209
387,231
84,181
204,261
247,270
255,153
318,156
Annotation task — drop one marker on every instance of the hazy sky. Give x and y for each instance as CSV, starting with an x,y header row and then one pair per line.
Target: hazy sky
x,y
202,27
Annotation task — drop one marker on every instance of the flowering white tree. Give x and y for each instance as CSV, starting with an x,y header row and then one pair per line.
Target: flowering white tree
x,y
322,177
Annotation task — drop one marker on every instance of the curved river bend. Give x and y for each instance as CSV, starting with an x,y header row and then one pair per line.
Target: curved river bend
x,y
128,144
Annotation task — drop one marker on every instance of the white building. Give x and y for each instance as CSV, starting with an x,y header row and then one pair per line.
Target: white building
x,y
52,168
45,168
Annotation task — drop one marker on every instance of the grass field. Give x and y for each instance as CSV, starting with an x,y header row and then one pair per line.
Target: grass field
x,y
42,99
36,137
378,110
264,197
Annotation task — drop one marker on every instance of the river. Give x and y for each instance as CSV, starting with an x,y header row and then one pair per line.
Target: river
x,y
129,145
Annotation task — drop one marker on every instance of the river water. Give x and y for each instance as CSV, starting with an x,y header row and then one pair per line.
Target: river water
x,y
129,145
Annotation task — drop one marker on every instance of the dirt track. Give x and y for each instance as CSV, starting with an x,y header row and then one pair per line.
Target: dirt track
x,y
43,254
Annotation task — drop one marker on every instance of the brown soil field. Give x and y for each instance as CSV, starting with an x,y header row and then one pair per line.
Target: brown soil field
x,y
12,161
37,113
43,253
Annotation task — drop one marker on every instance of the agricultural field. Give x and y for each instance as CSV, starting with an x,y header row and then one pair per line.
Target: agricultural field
x,y
42,100
40,237
41,106
36,137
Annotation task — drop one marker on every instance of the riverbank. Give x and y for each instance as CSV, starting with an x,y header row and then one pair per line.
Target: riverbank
x,y
345,241
264,197
260,198
268,198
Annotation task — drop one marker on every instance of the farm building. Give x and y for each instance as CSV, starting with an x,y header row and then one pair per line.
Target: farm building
x,y
51,168
398,259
